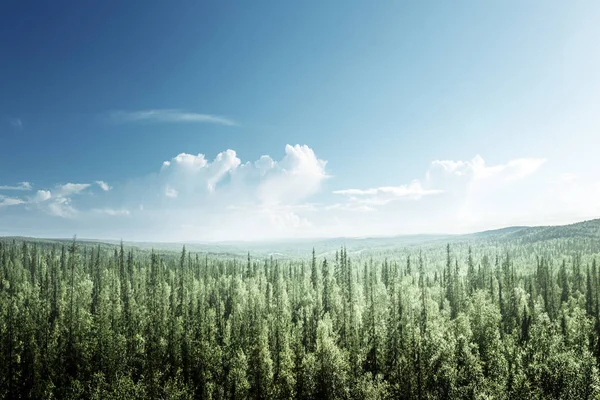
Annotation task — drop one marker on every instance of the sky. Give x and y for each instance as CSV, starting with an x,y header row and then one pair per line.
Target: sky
x,y
211,121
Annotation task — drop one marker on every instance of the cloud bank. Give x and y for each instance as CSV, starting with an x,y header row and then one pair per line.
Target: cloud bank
x,y
195,197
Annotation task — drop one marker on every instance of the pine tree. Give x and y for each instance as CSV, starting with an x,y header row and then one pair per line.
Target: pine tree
x,y
564,283
471,276
589,300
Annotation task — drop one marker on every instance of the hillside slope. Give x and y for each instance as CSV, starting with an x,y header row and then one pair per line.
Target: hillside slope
x,y
582,230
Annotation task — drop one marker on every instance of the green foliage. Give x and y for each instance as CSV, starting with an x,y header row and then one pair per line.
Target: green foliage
x,y
491,318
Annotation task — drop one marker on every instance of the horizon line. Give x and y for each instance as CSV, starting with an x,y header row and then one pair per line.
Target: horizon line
x,y
288,239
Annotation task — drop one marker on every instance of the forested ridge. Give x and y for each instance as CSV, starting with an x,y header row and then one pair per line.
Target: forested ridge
x,y
449,321
583,236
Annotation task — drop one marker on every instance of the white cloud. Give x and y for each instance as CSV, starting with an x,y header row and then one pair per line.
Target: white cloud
x,y
42,195
20,186
111,212
222,196
61,207
103,185
476,169
70,189
454,196
484,193
264,164
188,173
186,162
193,170
10,201
386,194
59,202
224,163
297,176
169,115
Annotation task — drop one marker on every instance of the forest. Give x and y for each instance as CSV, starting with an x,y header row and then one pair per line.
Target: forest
x,y
481,318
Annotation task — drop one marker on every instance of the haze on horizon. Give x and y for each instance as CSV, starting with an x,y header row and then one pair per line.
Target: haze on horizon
x,y
207,122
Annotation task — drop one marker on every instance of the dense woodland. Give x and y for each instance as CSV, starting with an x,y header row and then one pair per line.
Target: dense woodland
x,y
441,322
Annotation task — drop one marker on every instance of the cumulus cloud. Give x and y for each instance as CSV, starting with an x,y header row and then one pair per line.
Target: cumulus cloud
x,y
483,192
42,195
61,207
59,201
187,173
265,196
262,197
186,161
19,186
449,171
169,115
224,163
103,185
264,164
297,176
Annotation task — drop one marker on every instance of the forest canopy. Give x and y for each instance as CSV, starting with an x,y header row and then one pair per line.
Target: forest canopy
x,y
483,317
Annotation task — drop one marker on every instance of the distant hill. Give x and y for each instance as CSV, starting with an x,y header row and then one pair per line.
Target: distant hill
x,y
498,232
524,234
585,230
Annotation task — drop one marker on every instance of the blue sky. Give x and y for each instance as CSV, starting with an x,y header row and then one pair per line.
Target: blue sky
x,y
377,118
